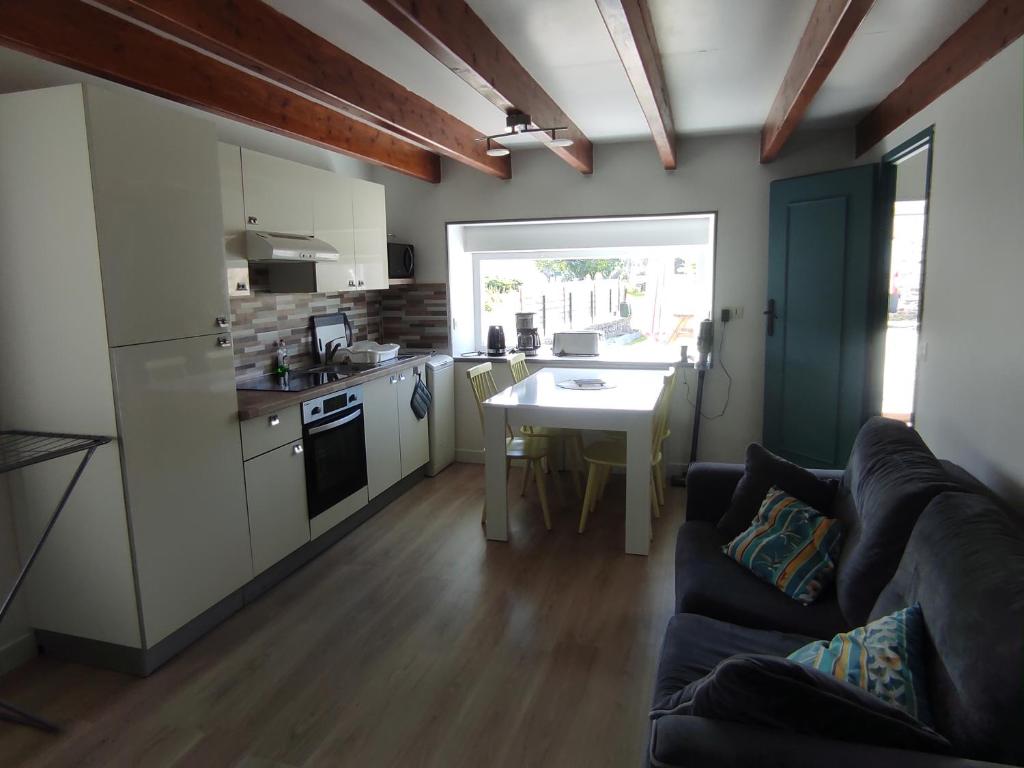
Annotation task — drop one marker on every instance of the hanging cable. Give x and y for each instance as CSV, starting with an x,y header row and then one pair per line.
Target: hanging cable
x,y
728,391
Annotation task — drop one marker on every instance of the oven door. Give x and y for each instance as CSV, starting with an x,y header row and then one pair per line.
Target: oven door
x,y
335,458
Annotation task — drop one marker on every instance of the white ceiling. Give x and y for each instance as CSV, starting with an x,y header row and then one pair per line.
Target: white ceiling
x,y
723,59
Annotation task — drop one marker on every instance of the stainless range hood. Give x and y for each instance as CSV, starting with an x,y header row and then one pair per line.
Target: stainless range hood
x,y
277,246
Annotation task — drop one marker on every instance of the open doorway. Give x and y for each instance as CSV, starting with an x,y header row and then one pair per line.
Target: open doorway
x,y
907,171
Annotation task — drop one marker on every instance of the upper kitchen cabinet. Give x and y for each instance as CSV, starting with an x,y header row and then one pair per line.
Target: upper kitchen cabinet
x,y
157,199
371,235
279,194
332,223
232,207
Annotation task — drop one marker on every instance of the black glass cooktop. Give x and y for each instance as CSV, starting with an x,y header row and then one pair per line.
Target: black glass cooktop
x,y
293,381
301,380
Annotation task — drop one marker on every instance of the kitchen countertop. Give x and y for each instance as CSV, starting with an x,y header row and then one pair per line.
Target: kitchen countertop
x,y
252,403
609,358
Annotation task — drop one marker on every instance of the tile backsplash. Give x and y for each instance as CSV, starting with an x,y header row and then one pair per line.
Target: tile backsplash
x,y
414,316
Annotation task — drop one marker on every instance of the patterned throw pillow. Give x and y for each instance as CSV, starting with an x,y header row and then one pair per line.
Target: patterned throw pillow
x,y
790,545
883,657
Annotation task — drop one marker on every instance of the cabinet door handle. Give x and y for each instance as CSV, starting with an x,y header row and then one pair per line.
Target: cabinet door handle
x,y
351,283
223,341
361,283
274,420
401,377
297,449
222,322
392,379
253,220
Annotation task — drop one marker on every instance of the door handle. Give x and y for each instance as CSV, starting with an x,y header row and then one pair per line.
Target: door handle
x,y
401,377
770,314
274,420
222,322
223,341
338,423
297,450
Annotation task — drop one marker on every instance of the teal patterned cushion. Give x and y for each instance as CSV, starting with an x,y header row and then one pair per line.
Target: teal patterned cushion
x,y
791,545
883,658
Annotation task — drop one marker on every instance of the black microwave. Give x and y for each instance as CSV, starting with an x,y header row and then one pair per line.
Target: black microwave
x,y
401,261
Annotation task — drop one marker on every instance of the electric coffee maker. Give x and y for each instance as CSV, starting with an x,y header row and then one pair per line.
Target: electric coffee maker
x,y
527,338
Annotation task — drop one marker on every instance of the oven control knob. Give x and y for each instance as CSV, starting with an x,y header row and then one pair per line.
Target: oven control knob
x,y
316,410
351,398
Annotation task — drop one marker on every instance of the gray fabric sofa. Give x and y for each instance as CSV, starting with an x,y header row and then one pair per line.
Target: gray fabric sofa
x,y
918,531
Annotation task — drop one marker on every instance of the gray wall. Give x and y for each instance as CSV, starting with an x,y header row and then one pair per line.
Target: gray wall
x,y
969,401
719,173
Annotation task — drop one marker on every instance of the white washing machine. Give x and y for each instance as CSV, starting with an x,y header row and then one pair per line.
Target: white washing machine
x,y
441,383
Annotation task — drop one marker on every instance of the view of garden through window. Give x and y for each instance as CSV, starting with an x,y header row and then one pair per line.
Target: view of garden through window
x,y
637,298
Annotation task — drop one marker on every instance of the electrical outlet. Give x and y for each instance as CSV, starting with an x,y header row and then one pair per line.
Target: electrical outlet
x,y
731,313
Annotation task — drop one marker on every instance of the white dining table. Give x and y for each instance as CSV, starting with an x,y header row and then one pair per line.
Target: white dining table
x,y
627,405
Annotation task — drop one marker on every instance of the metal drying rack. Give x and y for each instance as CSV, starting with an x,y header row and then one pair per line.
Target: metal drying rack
x,y
20,449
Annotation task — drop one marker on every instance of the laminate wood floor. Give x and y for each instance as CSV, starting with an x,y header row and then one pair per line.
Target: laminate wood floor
x,y
412,642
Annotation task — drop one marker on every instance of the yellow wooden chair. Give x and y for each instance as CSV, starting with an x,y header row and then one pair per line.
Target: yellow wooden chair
x,y
572,438
607,454
531,449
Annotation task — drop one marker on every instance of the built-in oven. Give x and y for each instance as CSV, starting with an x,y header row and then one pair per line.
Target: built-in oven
x,y
333,442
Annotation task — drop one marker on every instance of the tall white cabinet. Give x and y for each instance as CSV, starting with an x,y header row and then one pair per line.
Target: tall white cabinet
x,y
114,293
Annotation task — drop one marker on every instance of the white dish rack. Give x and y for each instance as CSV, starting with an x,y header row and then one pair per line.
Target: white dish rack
x,y
367,352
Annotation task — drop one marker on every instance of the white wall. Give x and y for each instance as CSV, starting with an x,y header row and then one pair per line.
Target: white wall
x,y
719,173
970,407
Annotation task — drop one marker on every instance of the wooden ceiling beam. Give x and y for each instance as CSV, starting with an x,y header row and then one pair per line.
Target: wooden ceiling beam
x,y
997,24
825,37
632,32
91,40
458,38
252,35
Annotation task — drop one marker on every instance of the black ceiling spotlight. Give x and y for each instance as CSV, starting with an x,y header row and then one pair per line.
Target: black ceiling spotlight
x,y
519,122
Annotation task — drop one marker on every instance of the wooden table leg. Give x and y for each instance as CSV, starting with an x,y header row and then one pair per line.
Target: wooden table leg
x,y
495,473
638,486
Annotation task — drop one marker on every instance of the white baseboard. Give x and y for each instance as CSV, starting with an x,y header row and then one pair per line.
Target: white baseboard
x,y
17,652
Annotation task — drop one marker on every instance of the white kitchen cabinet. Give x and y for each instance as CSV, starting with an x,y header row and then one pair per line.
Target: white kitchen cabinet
x,y
233,215
178,428
279,194
371,235
264,433
383,455
275,488
332,223
413,434
397,443
158,219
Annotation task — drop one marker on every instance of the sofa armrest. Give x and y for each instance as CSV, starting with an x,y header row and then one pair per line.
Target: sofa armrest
x,y
698,742
709,490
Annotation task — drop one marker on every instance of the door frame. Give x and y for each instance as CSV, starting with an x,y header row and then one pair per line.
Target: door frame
x,y
919,142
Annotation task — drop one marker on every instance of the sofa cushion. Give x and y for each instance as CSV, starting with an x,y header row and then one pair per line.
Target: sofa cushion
x,y
790,545
694,645
712,584
762,470
964,565
884,658
891,477
779,693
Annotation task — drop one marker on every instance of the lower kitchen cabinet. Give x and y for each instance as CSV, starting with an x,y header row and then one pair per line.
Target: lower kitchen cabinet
x,y
275,487
383,456
412,432
397,443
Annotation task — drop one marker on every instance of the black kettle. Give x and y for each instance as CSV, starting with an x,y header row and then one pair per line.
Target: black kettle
x,y
495,341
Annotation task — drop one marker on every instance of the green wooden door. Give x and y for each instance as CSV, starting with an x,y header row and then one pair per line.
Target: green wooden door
x,y
822,285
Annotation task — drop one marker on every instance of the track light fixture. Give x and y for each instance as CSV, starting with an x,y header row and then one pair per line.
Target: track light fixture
x,y
519,122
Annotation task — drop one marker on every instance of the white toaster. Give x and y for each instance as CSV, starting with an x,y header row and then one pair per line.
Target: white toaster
x,y
576,343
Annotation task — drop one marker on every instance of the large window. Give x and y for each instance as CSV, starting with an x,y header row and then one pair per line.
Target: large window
x,y
642,298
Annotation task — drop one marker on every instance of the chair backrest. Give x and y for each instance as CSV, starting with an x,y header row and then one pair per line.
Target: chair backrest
x,y
481,381
517,365
661,412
